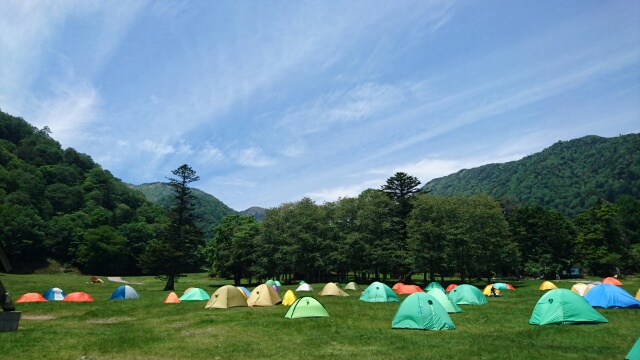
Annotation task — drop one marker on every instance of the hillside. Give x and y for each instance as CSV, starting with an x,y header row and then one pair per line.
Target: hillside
x,y
568,176
257,212
209,209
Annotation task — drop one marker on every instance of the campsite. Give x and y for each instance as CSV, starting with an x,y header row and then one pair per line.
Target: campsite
x,y
147,328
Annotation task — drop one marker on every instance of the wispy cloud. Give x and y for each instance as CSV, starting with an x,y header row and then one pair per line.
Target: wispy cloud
x,y
210,154
158,149
253,157
334,193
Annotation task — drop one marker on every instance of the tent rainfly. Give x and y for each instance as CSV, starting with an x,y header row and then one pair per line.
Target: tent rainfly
x,y
433,285
547,285
195,294
172,298
466,294
124,292
263,295
562,306
422,311
448,305
379,292
352,286
306,307
304,287
611,296
331,289
289,298
78,297
226,297
31,297
54,293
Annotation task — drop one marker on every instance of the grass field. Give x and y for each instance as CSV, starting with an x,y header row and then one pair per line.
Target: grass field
x,y
148,329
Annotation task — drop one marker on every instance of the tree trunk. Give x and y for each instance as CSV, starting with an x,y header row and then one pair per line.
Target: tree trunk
x,y
171,279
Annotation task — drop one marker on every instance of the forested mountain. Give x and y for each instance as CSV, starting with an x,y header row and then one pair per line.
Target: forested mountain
x,y
568,177
208,209
60,205
257,212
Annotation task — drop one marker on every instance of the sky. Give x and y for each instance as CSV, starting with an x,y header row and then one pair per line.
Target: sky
x,y
273,101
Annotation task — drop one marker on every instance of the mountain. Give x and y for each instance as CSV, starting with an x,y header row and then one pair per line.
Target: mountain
x,y
209,210
257,212
569,176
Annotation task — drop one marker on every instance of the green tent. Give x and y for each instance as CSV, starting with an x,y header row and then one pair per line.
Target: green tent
x,y
466,294
563,306
195,294
271,282
306,306
379,292
446,303
433,285
634,353
422,311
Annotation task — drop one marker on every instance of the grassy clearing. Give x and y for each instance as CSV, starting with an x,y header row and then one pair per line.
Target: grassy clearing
x,y
149,329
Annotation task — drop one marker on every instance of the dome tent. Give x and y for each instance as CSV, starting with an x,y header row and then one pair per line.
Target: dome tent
x,y
448,305
547,285
124,292
172,298
378,292
433,285
54,293
226,297
466,294
195,294
263,295
289,298
78,297
352,286
562,306
305,307
611,296
331,289
304,287
422,311
611,281
31,297
581,288
407,289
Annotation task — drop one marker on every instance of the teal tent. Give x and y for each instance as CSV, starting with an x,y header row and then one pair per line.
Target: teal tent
x,y
433,285
422,311
563,306
379,292
305,307
195,294
466,294
444,300
634,353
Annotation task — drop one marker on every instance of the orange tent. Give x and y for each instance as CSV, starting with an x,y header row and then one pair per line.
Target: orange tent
x,y
31,297
78,297
172,298
611,281
451,287
397,285
408,289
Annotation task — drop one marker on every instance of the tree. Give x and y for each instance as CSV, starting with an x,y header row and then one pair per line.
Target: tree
x,y
180,248
231,250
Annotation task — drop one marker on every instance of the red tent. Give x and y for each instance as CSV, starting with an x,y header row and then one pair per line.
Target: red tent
x,y
451,287
408,289
611,281
78,297
397,285
31,297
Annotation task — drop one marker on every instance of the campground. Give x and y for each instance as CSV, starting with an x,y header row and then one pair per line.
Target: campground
x,y
147,328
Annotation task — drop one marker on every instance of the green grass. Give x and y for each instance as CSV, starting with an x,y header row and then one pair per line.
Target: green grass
x,y
149,329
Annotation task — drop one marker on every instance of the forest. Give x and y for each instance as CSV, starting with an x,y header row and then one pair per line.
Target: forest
x,y
60,211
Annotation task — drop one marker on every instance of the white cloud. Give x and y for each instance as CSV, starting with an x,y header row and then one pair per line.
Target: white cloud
x,y
210,154
158,149
253,157
294,150
334,193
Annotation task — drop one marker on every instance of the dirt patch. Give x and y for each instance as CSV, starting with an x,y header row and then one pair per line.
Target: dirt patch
x,y
109,320
37,317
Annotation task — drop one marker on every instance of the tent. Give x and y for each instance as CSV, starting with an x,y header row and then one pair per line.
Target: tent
x,y
304,287
634,353
448,305
487,290
31,297
581,288
289,298
226,297
547,285
611,281
466,294
378,292
302,282
638,294
611,296
124,292
451,287
78,297
172,298
95,280
305,307
408,289
195,294
54,294
352,286
331,289
263,295
397,285
562,306
433,285
422,312
503,286
244,290
187,289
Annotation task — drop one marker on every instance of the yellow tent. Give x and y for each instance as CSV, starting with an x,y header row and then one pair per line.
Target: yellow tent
x,y
172,298
547,285
226,297
263,295
638,294
289,298
581,289
352,286
487,290
331,289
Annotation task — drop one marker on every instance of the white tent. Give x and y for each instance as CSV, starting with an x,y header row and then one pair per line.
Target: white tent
x,y
304,287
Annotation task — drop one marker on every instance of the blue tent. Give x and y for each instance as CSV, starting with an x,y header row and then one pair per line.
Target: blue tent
x,y
124,292
245,291
610,296
54,294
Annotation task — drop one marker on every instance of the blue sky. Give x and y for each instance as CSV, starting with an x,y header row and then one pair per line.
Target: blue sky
x,y
272,101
